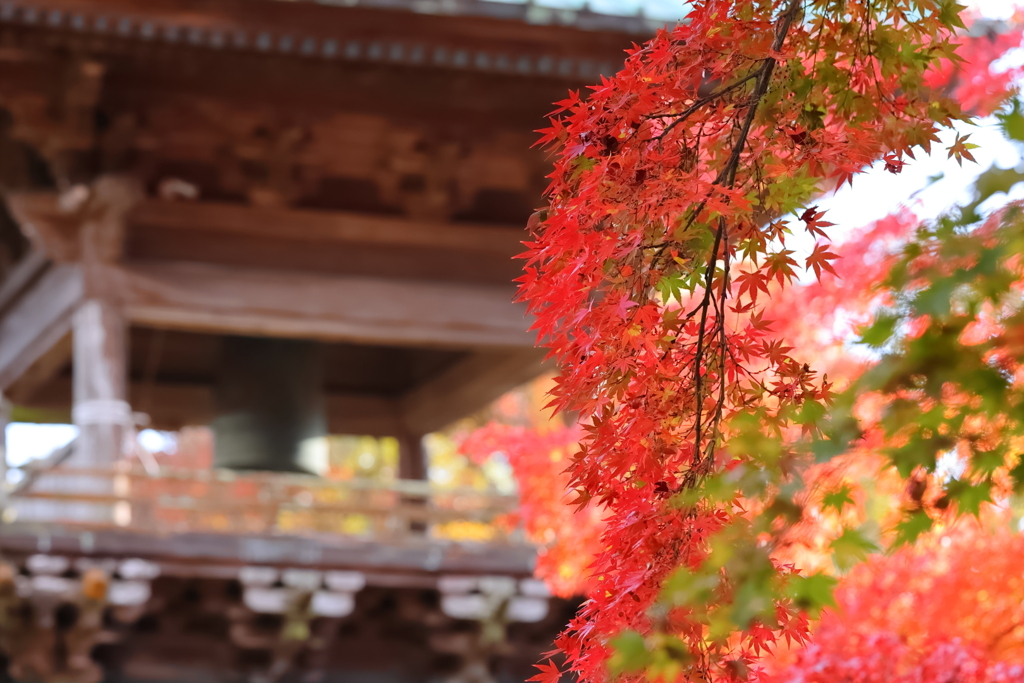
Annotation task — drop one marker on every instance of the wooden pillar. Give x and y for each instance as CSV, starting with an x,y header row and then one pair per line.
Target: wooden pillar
x,y
412,464
100,333
104,422
412,457
101,411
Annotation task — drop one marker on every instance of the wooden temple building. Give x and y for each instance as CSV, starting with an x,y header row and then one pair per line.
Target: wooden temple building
x,y
281,220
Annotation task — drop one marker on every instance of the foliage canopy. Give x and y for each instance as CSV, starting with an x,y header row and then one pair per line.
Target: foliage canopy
x,y
656,274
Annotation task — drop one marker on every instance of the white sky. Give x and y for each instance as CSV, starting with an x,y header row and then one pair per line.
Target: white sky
x,y
874,194
877,193
27,442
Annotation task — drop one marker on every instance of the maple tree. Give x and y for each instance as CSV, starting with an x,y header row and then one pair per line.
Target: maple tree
x,y
947,609
651,273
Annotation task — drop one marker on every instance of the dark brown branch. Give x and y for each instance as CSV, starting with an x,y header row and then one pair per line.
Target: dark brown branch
x,y
693,108
727,178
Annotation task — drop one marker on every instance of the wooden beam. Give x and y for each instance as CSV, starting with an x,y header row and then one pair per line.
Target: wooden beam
x,y
326,226
365,415
50,230
467,387
24,272
38,320
222,299
41,372
207,551
53,231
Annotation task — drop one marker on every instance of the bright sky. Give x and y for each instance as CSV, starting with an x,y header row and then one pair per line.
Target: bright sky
x,y
874,195
877,193
31,441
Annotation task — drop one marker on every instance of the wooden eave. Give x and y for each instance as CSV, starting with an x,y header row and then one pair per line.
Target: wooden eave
x,y
386,32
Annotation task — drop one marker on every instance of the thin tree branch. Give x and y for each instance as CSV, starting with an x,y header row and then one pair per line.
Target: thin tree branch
x,y
693,108
727,178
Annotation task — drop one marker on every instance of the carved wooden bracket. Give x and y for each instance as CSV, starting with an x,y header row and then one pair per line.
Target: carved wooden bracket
x,y
49,623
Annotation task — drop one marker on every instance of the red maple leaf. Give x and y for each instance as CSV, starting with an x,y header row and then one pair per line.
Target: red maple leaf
x,y
893,164
820,259
812,221
549,673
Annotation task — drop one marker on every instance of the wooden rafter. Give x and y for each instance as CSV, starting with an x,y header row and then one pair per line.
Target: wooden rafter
x,y
311,30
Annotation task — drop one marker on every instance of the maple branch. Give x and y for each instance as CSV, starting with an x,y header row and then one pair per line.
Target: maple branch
x,y
698,356
723,342
728,173
630,225
727,177
692,109
763,75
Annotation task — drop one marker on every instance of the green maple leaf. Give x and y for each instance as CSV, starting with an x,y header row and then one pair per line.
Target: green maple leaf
x,y
850,548
880,331
969,496
911,527
812,593
837,499
630,653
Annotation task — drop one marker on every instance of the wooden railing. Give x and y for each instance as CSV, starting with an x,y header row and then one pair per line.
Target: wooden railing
x,y
177,501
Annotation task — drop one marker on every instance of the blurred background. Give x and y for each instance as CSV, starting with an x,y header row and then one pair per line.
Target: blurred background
x,y
256,263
